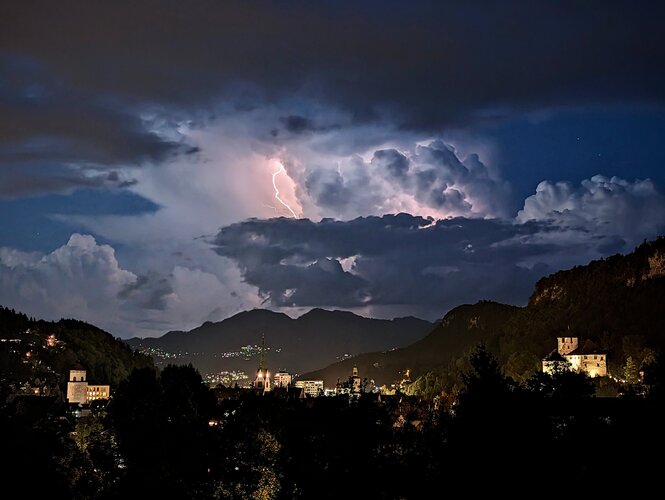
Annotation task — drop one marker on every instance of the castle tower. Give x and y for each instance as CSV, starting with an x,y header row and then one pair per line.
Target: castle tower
x,y
77,386
566,345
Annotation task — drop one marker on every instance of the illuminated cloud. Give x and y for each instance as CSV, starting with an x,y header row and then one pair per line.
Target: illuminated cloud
x,y
601,205
83,279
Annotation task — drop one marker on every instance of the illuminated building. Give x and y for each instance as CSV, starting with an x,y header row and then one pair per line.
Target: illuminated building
x,y
78,390
311,388
282,379
588,358
356,385
262,381
93,392
353,386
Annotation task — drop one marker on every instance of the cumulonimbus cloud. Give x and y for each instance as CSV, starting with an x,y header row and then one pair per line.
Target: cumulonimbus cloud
x,y
405,260
600,204
428,179
83,279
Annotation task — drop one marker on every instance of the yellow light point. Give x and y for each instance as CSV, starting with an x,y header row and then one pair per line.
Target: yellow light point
x,y
275,174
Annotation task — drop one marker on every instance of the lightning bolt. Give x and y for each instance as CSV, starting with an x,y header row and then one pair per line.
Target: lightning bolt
x,y
275,174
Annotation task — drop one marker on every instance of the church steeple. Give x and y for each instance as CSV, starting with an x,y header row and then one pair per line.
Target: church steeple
x,y
262,382
262,359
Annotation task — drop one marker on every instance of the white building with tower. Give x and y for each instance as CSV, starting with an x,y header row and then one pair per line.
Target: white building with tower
x,y
588,358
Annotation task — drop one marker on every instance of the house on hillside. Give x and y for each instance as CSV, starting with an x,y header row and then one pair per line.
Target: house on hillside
x,y
569,354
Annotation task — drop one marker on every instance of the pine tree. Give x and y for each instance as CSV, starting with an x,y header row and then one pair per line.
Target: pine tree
x,y
630,372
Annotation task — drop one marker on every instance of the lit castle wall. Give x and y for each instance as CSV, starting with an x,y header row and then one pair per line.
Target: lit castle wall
x,y
588,358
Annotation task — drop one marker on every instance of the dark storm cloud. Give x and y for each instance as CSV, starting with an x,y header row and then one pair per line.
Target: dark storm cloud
x,y
149,291
297,124
53,137
391,260
423,63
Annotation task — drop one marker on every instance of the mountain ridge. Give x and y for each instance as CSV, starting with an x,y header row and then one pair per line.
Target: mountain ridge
x,y
317,336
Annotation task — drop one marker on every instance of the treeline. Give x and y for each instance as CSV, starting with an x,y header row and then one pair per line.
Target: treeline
x,y
165,435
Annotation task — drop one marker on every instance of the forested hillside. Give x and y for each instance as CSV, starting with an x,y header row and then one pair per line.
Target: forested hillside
x,y
27,355
617,302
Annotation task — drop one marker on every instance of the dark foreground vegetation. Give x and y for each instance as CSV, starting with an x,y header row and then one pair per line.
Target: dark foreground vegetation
x,y
166,435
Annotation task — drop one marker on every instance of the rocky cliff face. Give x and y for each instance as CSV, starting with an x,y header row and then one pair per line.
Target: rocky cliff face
x,y
656,265
548,294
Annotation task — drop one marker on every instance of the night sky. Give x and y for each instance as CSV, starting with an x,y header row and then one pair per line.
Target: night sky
x,y
153,153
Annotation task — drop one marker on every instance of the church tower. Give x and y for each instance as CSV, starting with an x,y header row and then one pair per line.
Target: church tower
x,y
262,382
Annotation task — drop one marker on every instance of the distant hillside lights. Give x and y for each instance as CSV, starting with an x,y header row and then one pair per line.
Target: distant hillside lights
x,y
79,391
569,355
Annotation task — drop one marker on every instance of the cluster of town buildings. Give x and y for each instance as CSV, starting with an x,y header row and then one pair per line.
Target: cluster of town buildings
x,y
265,382
569,355
308,388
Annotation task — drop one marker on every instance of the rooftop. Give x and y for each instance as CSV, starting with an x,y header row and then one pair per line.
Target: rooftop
x,y
589,347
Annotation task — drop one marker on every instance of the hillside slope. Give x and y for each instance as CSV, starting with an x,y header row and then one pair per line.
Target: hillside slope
x,y
462,327
25,354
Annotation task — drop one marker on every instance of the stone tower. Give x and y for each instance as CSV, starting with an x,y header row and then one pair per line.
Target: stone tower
x,y
566,345
77,386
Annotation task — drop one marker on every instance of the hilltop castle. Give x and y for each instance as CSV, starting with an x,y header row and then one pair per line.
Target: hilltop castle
x,y
588,358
